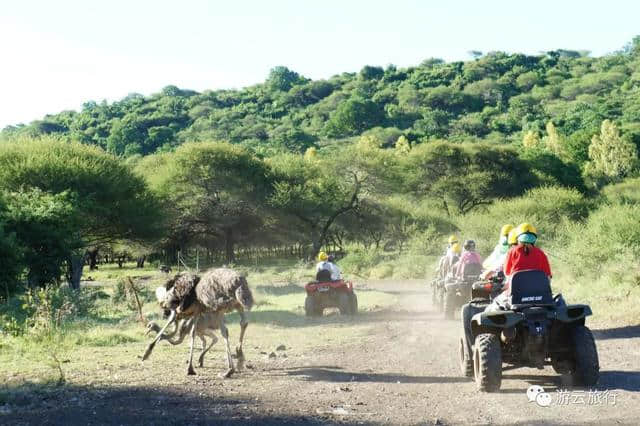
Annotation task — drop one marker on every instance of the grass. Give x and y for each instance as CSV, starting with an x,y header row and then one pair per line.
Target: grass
x,y
103,347
92,349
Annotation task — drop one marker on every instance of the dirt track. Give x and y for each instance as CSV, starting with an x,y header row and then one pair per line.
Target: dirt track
x,y
403,372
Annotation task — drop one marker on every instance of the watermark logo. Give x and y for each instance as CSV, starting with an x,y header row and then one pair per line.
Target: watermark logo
x,y
536,393
565,397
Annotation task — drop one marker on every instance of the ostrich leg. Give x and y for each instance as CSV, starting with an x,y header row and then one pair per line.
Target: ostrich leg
x,y
191,371
172,318
205,348
225,335
243,326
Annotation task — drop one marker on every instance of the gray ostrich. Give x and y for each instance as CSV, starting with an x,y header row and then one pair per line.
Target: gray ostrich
x,y
219,291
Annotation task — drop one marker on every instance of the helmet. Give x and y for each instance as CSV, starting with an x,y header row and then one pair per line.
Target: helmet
x,y
455,247
513,237
469,245
322,256
504,231
527,238
526,228
453,239
526,233
331,258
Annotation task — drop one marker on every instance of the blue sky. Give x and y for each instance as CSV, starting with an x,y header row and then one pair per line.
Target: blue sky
x,y
59,54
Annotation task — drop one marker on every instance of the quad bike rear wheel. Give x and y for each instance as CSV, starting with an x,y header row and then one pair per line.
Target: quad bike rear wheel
x,y
487,362
449,304
311,307
354,303
587,366
345,303
466,361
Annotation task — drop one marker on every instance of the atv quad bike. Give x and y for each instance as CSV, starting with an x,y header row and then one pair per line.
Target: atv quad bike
x,y
457,291
533,330
324,293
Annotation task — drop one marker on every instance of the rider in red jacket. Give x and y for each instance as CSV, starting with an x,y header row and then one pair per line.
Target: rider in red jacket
x,y
525,255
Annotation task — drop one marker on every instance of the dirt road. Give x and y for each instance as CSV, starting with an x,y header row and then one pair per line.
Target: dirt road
x,y
403,372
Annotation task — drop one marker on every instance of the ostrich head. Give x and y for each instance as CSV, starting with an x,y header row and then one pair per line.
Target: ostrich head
x,y
245,297
152,327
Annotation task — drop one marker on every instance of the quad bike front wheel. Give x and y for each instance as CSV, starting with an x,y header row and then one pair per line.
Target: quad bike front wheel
x,y
487,362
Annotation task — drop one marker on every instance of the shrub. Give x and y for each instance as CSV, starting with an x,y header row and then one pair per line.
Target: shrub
x,y
610,235
383,270
547,208
626,192
360,261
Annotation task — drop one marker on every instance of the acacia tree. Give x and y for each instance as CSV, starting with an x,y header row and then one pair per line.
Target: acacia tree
x,y
98,199
212,191
464,178
319,190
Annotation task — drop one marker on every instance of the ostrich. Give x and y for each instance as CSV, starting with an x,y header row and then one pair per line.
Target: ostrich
x,y
207,324
220,291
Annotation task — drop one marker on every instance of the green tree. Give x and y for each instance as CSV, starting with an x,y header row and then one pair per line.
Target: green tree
x,y
353,117
213,191
610,155
282,79
531,140
97,198
464,178
11,255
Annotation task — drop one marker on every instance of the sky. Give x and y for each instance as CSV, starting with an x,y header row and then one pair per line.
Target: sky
x,y
56,55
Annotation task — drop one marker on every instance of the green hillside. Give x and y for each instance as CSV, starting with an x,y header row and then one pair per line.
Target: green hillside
x,y
497,97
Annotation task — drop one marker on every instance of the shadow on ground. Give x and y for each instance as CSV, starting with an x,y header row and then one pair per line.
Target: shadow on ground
x,y
627,332
609,380
335,374
80,405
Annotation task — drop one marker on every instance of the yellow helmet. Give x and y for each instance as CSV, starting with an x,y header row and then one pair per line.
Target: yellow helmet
x,y
456,248
322,256
513,237
453,239
526,228
504,231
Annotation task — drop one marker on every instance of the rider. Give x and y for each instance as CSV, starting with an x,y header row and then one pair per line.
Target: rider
x,y
336,274
327,264
450,257
496,259
469,256
526,256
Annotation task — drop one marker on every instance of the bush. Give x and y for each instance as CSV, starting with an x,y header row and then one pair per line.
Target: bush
x,y
360,261
610,235
383,270
626,192
412,266
50,308
547,208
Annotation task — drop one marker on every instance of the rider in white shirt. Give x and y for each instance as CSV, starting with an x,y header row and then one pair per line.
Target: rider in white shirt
x,y
327,263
